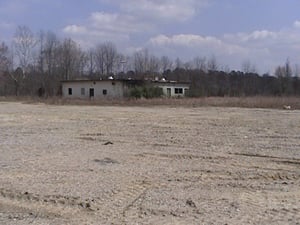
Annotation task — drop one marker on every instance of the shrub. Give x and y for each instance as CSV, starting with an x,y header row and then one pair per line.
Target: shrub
x,y
136,92
146,92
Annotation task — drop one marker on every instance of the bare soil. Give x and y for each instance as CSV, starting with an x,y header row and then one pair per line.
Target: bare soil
x,y
148,165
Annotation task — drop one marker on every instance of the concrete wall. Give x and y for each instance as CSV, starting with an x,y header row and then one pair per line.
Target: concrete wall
x,y
174,89
110,89
102,89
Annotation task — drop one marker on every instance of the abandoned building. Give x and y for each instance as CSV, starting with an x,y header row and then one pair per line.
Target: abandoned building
x,y
115,89
173,88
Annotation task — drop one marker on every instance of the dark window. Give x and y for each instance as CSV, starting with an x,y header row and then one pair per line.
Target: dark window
x,y
104,92
70,91
91,92
82,91
178,91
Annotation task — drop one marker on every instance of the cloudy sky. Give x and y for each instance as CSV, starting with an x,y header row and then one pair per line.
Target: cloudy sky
x,y
264,32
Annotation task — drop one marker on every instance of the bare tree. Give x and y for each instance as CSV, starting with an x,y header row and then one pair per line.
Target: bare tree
x,y
199,63
4,58
49,47
82,64
69,58
124,63
284,73
166,63
212,63
279,71
188,65
297,70
110,57
41,58
288,69
24,43
106,58
141,61
91,61
5,66
154,64
100,59
178,63
248,67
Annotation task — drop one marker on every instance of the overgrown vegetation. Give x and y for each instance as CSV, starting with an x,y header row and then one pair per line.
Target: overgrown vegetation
x,y
242,102
146,92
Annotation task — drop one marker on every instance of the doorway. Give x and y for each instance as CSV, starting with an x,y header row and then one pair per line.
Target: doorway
x,y
169,92
92,92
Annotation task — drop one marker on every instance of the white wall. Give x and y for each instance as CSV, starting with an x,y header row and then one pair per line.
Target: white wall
x,y
172,86
114,89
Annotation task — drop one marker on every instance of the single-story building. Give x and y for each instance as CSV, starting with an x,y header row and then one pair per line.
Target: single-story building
x,y
173,88
116,89
105,89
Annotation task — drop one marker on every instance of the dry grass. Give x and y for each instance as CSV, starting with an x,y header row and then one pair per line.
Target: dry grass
x,y
242,102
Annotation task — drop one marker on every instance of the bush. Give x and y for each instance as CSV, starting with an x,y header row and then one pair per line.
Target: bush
x,y
136,92
146,92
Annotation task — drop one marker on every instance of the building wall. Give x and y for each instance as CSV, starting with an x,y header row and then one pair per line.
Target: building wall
x,y
174,89
102,89
110,89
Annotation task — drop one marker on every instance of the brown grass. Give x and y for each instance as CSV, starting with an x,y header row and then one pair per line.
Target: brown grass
x,y
242,102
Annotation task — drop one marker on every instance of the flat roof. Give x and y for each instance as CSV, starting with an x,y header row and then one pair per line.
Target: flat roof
x,y
126,81
91,80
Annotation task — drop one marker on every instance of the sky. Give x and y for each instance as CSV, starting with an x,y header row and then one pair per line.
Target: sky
x,y
265,33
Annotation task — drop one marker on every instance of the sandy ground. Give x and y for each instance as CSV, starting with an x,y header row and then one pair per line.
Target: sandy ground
x,y
148,165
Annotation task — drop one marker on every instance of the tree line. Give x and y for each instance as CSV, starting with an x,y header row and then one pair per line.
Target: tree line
x,y
35,64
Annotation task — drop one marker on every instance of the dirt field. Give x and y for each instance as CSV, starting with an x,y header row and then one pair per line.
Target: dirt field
x,y
148,165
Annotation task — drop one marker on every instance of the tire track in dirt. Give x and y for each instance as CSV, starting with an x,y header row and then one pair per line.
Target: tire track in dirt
x,y
121,207
270,207
180,156
117,208
243,173
50,206
248,177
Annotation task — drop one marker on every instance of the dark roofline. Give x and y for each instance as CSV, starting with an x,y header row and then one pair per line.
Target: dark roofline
x,y
98,80
170,82
90,80
127,81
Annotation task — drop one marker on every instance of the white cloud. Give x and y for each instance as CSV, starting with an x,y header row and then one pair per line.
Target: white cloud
x,y
75,29
161,10
260,35
255,36
102,26
197,43
297,24
116,22
169,10
269,48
